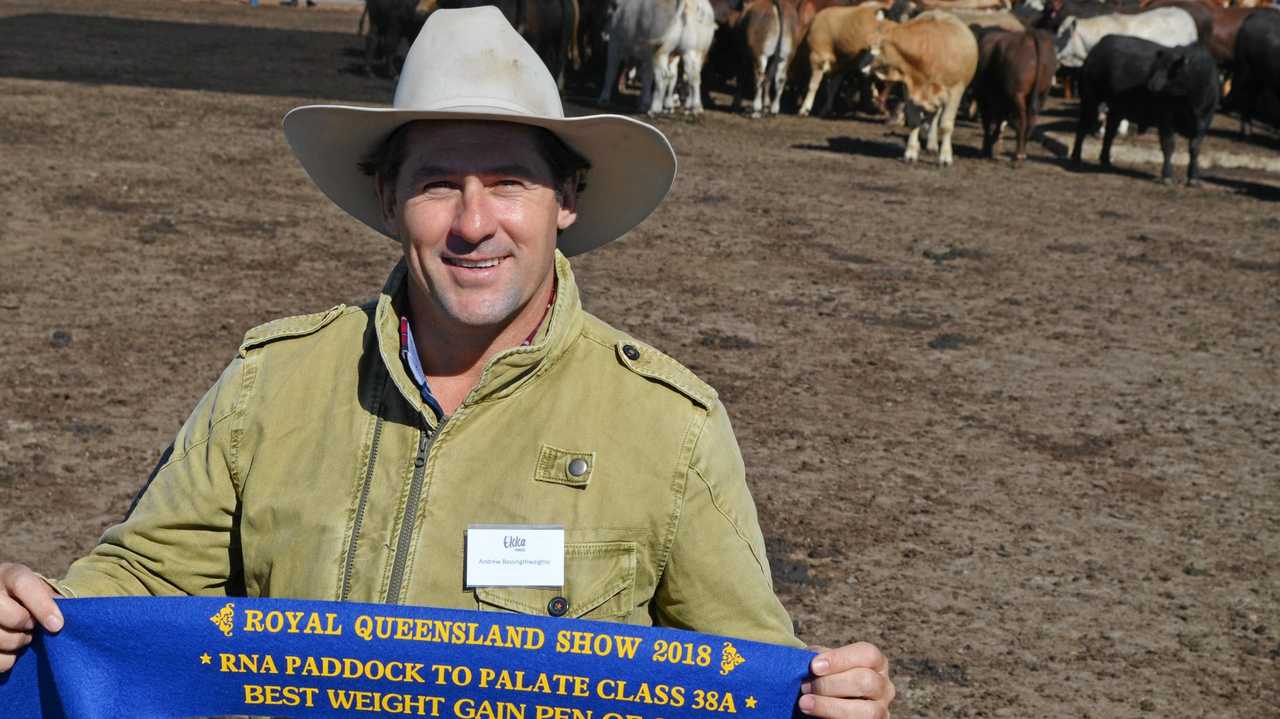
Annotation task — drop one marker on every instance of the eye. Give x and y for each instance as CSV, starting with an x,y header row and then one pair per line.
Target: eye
x,y
438,187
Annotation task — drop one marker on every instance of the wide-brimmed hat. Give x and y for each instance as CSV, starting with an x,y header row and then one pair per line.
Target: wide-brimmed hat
x,y
472,65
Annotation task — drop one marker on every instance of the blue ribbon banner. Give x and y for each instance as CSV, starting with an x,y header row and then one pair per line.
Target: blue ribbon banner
x,y
185,657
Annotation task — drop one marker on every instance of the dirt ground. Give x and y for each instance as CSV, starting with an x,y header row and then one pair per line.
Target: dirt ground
x,y
1018,426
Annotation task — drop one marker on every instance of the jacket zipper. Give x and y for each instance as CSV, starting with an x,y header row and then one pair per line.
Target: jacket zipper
x,y
410,514
359,520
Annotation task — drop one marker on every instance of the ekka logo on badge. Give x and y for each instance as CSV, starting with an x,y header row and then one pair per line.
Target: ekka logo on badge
x,y
515,556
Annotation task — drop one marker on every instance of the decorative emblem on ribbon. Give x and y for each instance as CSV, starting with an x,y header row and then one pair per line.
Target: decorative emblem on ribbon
x,y
159,657
224,618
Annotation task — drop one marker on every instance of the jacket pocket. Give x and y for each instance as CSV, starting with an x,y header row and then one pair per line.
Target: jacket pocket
x,y
599,579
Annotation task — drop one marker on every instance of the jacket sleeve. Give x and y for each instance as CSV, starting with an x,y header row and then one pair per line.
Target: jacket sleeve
x,y
716,578
179,536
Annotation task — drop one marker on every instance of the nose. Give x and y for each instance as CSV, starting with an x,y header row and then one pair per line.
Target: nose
x,y
474,221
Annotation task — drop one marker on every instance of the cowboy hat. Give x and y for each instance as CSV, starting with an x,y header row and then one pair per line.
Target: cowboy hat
x,y
472,65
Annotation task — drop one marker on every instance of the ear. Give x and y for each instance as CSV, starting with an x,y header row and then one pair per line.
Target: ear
x,y
567,197
386,192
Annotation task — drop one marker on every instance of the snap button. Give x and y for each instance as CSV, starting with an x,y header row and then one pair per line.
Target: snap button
x,y
558,606
578,467
631,352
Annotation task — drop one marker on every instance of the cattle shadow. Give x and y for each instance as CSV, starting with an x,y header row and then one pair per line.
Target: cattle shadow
x,y
889,149
97,50
1255,190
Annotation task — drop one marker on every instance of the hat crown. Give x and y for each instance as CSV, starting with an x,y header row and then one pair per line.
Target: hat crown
x,y
473,60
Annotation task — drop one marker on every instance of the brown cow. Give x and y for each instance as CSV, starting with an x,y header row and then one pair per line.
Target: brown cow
x,y
934,55
836,38
1225,23
1015,71
766,36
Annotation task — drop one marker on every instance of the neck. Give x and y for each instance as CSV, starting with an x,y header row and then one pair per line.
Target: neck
x,y
454,355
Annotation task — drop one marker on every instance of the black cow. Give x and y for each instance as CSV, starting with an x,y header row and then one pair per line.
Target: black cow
x,y
390,22
1172,88
1256,85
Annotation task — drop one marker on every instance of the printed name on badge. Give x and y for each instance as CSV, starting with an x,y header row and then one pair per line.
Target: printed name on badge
x,y
515,555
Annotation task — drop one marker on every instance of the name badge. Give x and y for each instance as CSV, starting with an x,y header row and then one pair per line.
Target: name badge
x,y
515,555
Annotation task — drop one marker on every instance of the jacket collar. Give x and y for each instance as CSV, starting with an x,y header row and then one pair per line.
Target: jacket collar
x,y
506,371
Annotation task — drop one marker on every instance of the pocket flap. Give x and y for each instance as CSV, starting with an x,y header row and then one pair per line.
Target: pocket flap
x,y
598,580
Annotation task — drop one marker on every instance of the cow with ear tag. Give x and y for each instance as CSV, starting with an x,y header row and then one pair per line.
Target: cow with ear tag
x,y
1172,89
934,55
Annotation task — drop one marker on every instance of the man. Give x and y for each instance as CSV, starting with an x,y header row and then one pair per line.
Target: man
x,y
343,455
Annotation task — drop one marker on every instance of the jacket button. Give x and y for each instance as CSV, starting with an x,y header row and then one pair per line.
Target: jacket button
x,y
578,467
631,352
558,606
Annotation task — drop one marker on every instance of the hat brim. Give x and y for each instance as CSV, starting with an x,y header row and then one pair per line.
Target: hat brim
x,y
632,164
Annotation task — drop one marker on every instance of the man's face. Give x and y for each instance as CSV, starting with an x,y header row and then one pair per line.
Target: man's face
x,y
476,211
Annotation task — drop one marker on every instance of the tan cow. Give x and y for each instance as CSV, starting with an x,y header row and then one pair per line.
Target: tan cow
x,y
934,55
837,37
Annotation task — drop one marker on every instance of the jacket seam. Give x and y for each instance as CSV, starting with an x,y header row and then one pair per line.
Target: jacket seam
x,y
737,530
700,398
186,451
240,410
679,489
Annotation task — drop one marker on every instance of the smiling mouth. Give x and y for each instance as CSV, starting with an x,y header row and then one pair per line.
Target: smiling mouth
x,y
473,264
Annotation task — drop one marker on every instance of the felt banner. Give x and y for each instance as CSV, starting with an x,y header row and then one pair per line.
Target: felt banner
x,y
191,657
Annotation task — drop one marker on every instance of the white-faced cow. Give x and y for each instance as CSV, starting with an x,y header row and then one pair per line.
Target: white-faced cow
x,y
658,34
934,55
1168,26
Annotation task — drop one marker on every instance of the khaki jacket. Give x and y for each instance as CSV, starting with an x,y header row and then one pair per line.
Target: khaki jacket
x,y
313,469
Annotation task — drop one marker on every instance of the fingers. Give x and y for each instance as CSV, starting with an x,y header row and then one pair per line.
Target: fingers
x,y
854,683
6,661
32,595
850,656
833,708
13,616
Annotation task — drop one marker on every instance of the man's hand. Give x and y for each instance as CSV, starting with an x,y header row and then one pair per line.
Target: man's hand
x,y
24,600
851,682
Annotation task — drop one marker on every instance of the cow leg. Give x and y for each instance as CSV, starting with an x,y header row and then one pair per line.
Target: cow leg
x,y
931,144
674,65
1084,125
778,85
989,130
692,63
816,73
913,145
1193,165
834,81
611,63
948,123
761,79
1168,145
393,48
1109,136
370,48
653,91
1020,152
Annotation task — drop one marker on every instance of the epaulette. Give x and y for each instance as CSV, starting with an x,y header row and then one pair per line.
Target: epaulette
x,y
296,326
652,364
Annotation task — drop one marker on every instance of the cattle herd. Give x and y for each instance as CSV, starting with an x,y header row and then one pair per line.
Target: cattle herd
x,y
1163,64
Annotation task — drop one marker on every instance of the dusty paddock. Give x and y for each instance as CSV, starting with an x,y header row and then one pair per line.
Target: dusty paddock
x,y
1018,426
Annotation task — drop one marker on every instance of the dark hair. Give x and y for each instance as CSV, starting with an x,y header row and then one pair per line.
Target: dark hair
x,y
566,164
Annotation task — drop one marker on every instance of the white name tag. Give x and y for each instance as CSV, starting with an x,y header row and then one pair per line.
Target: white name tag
x,y
515,555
